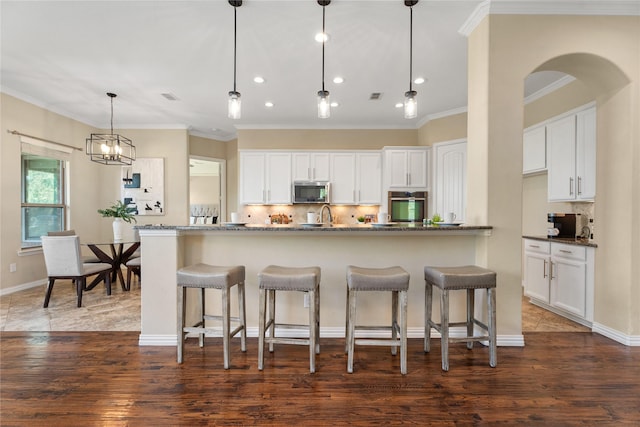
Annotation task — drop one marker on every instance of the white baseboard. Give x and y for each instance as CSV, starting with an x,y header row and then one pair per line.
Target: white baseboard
x,y
22,287
157,340
628,340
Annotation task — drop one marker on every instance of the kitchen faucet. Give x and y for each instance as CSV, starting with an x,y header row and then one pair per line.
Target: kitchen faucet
x,y
322,214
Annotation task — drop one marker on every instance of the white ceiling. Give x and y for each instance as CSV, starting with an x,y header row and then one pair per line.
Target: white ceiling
x,y
65,55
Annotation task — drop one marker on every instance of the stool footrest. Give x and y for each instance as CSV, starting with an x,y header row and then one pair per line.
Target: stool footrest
x,y
289,326
219,318
285,340
212,332
469,339
386,342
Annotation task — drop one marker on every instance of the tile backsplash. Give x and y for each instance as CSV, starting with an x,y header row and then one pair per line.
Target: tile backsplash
x,y
342,214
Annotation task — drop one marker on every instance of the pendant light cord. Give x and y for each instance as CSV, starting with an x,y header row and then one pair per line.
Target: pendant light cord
x,y
410,48
235,10
324,40
112,115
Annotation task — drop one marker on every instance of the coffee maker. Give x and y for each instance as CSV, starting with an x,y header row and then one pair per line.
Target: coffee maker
x,y
562,225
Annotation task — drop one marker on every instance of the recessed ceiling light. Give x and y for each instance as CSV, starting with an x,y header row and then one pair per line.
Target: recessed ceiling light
x,y
322,37
334,104
338,80
268,104
258,79
399,105
419,80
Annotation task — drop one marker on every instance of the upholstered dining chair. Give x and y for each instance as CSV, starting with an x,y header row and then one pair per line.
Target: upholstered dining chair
x,y
133,267
85,258
63,261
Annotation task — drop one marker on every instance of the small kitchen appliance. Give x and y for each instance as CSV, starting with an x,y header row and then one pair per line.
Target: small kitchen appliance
x,y
562,225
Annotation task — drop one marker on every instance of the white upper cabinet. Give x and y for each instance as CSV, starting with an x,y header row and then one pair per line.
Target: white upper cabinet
x,y
450,186
265,178
534,150
571,142
369,178
310,167
343,178
406,168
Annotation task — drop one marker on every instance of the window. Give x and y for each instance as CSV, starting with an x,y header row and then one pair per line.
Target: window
x,y
43,197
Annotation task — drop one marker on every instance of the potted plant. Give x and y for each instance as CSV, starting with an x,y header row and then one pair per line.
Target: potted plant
x,y
119,212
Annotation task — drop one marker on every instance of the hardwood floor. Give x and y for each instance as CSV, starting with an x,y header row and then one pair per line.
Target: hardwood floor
x,y
105,378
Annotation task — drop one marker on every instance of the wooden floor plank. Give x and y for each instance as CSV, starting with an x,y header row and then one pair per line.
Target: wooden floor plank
x,y
105,378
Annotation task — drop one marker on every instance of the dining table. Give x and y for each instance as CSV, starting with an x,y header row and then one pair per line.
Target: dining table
x,y
116,253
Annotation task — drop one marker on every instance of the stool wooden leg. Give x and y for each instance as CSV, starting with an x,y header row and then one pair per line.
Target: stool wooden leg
x,y
243,317
428,308
261,329
346,323
394,321
202,312
312,331
403,332
470,315
493,350
444,328
181,315
351,329
226,328
272,316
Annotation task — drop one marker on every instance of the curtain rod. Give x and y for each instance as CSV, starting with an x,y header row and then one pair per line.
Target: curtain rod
x,y
15,132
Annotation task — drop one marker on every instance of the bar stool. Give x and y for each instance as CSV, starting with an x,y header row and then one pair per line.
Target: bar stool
x,y
469,278
276,278
393,279
204,276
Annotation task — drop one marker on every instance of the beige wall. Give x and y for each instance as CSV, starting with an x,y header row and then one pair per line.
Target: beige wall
x,y
92,186
331,139
609,66
205,147
447,128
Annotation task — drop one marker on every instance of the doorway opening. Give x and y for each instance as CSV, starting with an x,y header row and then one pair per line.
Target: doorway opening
x,y
207,190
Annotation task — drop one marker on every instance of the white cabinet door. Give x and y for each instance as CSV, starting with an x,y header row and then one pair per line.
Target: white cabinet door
x,y
586,154
450,178
561,139
252,178
417,168
343,178
278,178
310,167
568,285
407,168
534,150
369,178
536,276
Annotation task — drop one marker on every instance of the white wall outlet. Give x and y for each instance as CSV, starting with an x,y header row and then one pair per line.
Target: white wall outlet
x,y
13,267
306,300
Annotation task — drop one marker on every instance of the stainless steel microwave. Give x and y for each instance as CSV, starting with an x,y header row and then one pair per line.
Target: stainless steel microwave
x,y
310,192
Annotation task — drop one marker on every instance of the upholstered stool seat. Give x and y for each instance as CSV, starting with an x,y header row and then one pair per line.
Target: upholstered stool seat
x,y
469,278
302,279
391,279
204,276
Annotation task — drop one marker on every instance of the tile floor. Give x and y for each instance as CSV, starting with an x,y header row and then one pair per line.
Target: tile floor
x,y
22,311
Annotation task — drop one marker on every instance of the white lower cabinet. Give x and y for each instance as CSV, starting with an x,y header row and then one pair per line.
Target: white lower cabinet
x,y
559,277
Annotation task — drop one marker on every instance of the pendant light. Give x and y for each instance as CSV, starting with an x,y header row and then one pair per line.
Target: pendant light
x,y
110,149
234,95
410,101
324,104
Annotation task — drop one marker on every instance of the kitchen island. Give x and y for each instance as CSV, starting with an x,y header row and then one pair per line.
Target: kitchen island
x,y
166,248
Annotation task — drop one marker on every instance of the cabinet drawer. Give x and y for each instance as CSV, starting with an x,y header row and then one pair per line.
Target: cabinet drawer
x,y
537,246
569,251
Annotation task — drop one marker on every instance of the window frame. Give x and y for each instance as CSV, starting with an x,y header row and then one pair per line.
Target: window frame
x,y
62,189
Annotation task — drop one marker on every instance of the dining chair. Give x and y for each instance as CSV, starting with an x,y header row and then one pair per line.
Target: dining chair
x,y
133,267
85,258
63,261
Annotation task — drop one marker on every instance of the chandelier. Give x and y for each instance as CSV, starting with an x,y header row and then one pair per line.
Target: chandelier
x,y
110,149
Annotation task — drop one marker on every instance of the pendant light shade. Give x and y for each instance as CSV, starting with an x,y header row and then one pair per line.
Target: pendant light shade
x,y
324,104
234,104
410,101
110,149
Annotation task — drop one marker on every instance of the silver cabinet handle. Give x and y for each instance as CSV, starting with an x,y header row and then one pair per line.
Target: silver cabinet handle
x,y
570,186
544,269
551,270
534,246
565,251
408,178
579,185
309,173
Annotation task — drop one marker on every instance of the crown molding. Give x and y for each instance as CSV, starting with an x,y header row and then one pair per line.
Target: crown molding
x,y
549,7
